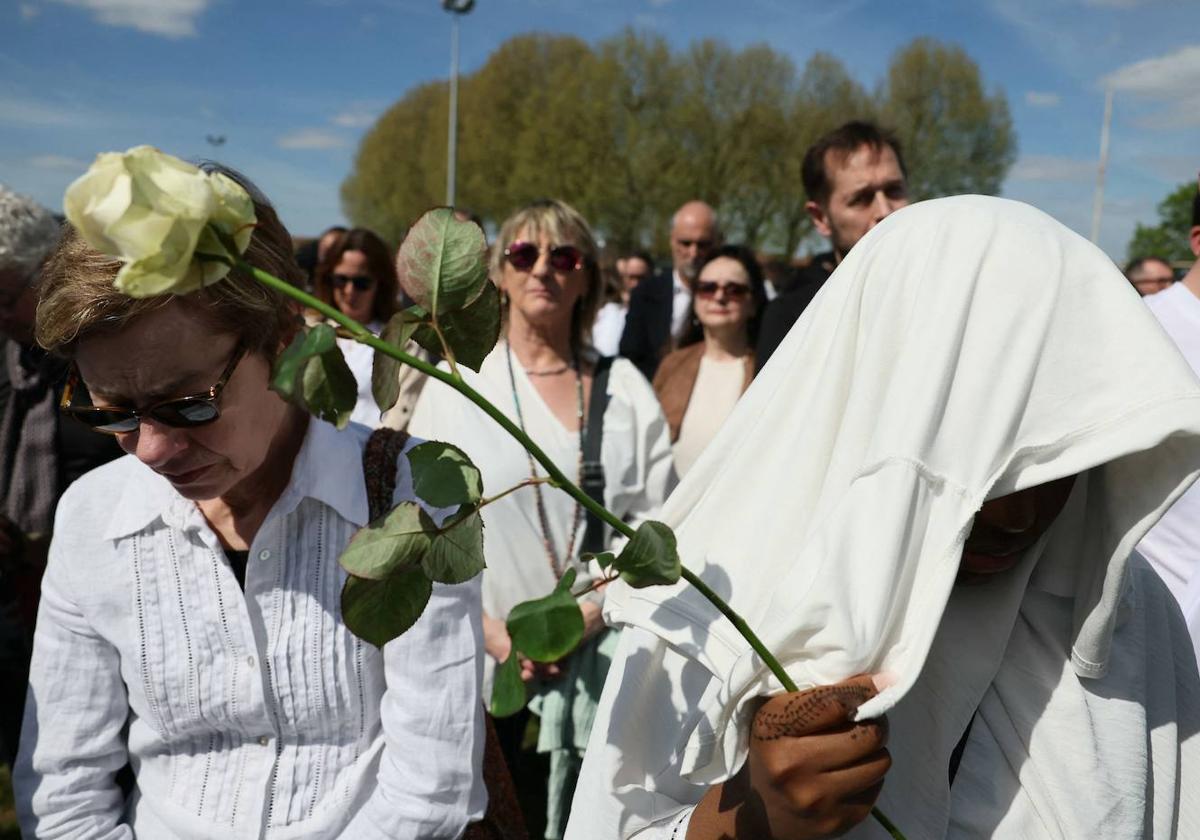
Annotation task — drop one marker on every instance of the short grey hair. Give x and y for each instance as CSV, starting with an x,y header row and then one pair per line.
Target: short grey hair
x,y
28,232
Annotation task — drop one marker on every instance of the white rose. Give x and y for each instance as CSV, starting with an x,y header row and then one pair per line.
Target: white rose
x,y
151,210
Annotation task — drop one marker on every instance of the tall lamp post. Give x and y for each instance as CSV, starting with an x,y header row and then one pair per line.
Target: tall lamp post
x,y
456,8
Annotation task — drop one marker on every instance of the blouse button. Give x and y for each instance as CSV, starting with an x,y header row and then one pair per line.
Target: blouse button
x,y
264,555
264,740
250,661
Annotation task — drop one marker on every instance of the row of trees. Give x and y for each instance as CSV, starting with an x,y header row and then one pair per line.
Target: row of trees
x,y
627,130
1167,240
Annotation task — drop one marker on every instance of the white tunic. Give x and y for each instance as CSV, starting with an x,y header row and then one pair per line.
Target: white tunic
x,y
965,349
243,715
636,454
1173,545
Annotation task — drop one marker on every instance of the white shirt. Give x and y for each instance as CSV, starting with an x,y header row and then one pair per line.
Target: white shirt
x,y
681,302
243,715
1173,545
606,331
361,360
635,452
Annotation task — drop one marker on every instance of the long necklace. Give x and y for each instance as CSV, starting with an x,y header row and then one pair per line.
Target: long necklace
x,y
544,520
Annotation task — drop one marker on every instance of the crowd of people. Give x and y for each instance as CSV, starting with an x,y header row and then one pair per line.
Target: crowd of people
x,y
943,467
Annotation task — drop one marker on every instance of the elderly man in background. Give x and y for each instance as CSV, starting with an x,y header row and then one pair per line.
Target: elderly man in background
x,y
659,306
854,178
1150,275
39,453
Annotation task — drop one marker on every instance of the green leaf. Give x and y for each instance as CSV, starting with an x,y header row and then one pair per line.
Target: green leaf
x,y
385,371
455,554
508,689
604,559
442,264
400,538
470,333
549,628
313,374
291,362
329,388
443,476
650,558
378,611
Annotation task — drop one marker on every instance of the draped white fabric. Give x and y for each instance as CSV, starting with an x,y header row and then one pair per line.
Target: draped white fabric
x,y
966,348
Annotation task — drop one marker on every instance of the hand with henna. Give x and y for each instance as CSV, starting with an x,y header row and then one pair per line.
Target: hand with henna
x,y
812,772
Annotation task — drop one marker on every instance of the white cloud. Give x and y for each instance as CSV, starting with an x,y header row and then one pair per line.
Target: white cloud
x,y
169,18
59,163
1052,168
1041,98
1173,78
1162,77
311,138
357,115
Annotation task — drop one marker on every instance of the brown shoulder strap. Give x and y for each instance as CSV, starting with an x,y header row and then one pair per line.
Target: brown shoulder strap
x,y
379,468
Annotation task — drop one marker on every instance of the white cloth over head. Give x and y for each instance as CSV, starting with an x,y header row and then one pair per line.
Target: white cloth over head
x,y
966,348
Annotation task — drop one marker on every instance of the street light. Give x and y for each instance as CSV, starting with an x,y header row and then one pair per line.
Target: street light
x,y
456,8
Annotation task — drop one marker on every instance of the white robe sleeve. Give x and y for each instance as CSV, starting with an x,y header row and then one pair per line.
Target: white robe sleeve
x,y
430,781
629,786
72,741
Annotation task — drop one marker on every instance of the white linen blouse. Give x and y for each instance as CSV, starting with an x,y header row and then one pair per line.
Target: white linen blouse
x,y
635,452
242,715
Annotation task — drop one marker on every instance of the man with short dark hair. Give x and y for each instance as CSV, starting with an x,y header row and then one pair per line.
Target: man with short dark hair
x,y
1149,275
854,178
1173,545
659,306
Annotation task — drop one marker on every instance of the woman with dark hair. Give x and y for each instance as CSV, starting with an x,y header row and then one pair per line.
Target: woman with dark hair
x,y
358,276
190,624
699,383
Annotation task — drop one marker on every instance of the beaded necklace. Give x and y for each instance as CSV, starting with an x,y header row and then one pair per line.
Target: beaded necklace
x,y
544,520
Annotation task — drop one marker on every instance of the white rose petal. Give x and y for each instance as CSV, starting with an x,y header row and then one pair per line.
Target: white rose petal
x,y
154,212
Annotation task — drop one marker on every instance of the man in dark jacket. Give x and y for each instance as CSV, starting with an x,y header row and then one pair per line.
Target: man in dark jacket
x,y
854,178
659,306
40,454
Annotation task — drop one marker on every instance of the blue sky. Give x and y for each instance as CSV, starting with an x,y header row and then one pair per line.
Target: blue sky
x,y
293,84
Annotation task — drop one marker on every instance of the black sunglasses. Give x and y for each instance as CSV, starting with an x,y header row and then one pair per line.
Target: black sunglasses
x,y
179,413
733,291
362,282
523,255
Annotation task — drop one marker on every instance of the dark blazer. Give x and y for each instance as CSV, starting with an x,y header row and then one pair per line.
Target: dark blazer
x,y
647,335
785,310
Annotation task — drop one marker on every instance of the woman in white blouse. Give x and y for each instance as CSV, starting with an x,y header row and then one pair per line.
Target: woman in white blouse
x,y
190,624
541,376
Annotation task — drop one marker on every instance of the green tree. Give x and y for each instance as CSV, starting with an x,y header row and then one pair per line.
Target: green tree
x,y
825,97
400,169
1168,239
627,130
956,137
